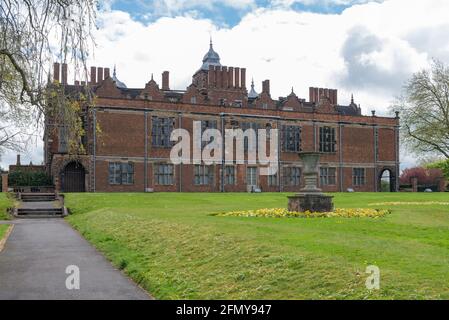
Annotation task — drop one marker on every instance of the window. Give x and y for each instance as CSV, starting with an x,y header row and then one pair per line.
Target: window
x,y
251,176
163,174
273,180
291,138
203,175
358,176
254,126
327,139
161,131
121,173
264,105
238,103
193,100
230,175
207,124
292,176
327,176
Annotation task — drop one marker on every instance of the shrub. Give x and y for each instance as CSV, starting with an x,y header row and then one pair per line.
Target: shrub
x,y
30,179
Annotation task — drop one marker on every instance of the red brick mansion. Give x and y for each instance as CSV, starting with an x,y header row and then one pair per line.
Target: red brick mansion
x,y
132,151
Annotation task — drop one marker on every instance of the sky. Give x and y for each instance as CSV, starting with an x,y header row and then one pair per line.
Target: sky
x,y
365,48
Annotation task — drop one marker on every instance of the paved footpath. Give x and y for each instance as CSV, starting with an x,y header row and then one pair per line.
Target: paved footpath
x,y
36,255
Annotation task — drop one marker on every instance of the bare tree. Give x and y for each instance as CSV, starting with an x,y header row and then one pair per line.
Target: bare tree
x,y
33,33
424,110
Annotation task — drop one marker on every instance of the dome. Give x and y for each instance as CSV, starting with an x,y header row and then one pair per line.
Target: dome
x,y
211,58
252,93
118,83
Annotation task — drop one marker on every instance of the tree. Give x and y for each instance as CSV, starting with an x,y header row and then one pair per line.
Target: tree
x,y
425,176
33,33
424,109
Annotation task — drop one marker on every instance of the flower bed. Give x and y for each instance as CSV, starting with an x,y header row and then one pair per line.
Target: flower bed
x,y
284,213
416,203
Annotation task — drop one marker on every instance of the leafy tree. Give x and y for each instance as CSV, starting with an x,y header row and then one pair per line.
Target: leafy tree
x,y
425,176
33,33
443,165
424,109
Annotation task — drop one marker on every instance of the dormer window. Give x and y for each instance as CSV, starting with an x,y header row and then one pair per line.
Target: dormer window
x,y
193,100
238,103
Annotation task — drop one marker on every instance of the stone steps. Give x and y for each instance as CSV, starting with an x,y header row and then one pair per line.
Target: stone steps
x,y
39,213
37,197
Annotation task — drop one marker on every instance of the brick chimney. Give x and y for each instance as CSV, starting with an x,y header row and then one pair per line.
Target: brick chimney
x,y
237,77
18,160
56,69
64,73
266,87
224,76
93,75
231,77
243,78
107,73
211,76
165,80
99,74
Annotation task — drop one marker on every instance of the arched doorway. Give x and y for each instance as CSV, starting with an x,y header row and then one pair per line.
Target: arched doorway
x,y
73,177
387,181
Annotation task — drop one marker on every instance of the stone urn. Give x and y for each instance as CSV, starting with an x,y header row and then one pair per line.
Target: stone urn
x,y
310,161
310,198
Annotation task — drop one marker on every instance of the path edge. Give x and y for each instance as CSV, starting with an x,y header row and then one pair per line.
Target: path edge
x,y
5,238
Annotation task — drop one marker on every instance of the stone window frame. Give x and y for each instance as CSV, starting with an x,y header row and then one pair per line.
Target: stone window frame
x,y
291,176
358,176
203,175
291,138
121,173
327,139
272,180
164,176
230,178
161,129
327,178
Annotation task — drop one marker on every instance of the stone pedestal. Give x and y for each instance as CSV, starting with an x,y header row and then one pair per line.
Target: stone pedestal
x,y
310,202
310,197
4,182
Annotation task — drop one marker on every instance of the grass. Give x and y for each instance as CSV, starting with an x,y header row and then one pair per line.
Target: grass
x,y
3,228
5,203
172,245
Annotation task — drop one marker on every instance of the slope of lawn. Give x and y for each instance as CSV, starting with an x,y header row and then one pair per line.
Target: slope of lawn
x,y
3,228
172,245
5,203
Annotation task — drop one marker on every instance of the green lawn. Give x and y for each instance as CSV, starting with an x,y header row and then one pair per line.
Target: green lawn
x,y
5,203
3,228
171,245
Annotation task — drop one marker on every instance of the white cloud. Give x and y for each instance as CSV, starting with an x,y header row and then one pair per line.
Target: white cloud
x,y
369,49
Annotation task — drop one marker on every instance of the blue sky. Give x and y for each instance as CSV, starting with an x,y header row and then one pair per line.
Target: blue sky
x,y
223,13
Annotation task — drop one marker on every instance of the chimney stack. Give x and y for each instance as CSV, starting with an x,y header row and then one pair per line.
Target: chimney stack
x,y
99,74
107,73
64,73
77,83
243,78
93,75
56,71
211,76
218,77
165,80
237,77
18,160
224,75
266,86
231,77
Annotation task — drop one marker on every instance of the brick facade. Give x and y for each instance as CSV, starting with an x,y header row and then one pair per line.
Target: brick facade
x,y
219,93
